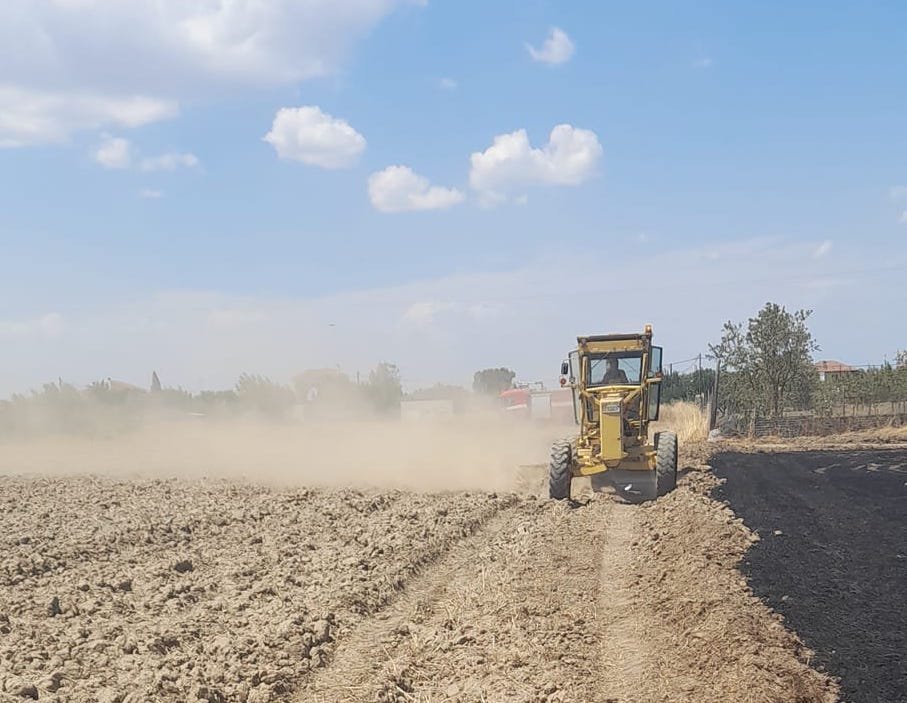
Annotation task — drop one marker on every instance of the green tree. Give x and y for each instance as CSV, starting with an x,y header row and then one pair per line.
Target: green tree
x,y
493,381
687,386
328,393
384,388
901,359
769,359
264,395
316,386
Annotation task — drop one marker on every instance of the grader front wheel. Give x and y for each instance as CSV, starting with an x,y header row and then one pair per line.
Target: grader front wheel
x,y
665,462
560,470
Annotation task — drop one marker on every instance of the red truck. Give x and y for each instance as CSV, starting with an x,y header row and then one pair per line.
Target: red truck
x,y
535,402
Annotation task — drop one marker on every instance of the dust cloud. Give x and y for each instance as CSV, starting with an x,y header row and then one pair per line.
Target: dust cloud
x,y
472,451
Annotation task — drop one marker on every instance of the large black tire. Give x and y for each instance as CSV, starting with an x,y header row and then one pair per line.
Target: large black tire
x,y
665,462
560,470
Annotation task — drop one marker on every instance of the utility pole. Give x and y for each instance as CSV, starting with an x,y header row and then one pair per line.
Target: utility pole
x,y
699,383
713,414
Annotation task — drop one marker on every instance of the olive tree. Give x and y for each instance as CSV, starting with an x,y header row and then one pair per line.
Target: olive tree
x,y
769,359
492,381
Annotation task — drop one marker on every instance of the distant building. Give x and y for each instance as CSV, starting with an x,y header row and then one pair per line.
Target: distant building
x,y
415,410
833,369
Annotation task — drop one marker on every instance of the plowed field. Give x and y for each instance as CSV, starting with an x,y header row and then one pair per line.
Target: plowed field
x,y
181,590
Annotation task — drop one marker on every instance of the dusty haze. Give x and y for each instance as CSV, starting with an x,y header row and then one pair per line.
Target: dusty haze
x,y
468,452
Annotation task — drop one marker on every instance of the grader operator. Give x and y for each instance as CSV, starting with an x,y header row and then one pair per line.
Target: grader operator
x,y
616,384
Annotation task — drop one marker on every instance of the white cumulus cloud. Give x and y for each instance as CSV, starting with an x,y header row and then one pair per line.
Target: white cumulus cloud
x,y
169,162
898,192
70,65
400,189
556,49
570,157
114,152
309,135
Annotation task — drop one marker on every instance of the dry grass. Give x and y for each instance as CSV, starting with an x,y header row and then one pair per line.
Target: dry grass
x,y
686,419
886,434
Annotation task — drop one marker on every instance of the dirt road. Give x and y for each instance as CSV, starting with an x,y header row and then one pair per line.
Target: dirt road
x,y
832,556
171,590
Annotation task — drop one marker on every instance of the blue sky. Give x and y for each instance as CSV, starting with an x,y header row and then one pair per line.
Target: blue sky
x,y
712,156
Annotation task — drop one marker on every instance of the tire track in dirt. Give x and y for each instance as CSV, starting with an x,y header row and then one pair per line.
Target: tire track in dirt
x,y
625,648
511,614
362,660
601,601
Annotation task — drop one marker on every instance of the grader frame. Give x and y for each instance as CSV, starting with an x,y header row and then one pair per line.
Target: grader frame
x,y
613,410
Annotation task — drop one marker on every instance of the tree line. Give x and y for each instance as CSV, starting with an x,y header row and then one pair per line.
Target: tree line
x,y
109,407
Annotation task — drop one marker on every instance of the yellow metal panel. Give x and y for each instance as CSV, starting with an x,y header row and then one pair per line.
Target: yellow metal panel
x,y
612,435
590,469
614,346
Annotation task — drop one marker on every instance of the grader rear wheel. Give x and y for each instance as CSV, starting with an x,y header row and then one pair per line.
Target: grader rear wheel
x,y
560,470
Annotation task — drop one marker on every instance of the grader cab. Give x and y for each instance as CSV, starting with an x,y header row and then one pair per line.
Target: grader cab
x,y
616,384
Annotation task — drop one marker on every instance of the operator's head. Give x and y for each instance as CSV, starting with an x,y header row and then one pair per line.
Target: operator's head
x,y
612,364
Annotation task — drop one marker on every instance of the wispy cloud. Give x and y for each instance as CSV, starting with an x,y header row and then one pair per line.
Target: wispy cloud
x,y
120,154
117,77
447,327
33,116
448,84
424,312
48,326
823,249
898,192
113,152
558,48
703,62
169,162
151,194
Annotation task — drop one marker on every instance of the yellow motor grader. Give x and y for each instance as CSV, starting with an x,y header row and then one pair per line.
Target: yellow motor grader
x,y
616,383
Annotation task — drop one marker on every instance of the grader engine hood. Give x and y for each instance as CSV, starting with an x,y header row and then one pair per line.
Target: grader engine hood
x,y
610,414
